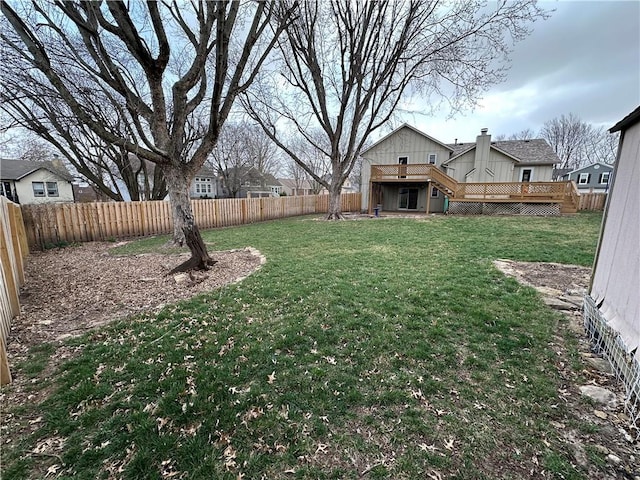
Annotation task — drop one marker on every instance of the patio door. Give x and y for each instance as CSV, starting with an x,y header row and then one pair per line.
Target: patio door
x,y
408,199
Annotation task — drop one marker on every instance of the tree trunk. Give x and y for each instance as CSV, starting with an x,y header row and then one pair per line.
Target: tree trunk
x,y
335,202
185,230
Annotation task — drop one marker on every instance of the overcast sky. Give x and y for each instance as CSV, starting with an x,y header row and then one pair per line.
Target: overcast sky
x,y
585,59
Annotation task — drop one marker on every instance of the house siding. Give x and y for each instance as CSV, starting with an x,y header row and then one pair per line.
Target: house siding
x,y
484,162
541,173
404,143
24,188
594,172
616,273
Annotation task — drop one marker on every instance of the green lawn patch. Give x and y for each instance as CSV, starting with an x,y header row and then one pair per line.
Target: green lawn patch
x,y
386,348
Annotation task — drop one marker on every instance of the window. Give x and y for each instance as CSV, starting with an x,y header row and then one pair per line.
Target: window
x,y
583,179
203,185
52,189
604,178
38,189
526,174
432,158
275,190
434,192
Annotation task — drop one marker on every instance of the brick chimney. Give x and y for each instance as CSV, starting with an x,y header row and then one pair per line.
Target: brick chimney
x,y
481,161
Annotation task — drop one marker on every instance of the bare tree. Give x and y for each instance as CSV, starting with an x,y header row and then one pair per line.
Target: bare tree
x,y
230,158
525,134
345,66
240,147
601,146
173,69
568,135
29,102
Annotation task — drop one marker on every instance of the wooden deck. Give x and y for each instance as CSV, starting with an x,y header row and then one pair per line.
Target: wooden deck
x,y
563,193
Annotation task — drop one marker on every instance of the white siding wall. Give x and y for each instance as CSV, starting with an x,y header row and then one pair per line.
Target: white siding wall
x,y
461,166
541,173
24,188
616,274
404,143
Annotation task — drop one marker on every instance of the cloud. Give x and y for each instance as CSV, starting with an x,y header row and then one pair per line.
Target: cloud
x,y
585,59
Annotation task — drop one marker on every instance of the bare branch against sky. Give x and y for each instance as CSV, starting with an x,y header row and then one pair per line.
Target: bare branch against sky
x,y
344,67
173,69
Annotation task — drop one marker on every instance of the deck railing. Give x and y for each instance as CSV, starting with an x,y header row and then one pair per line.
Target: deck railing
x,y
552,192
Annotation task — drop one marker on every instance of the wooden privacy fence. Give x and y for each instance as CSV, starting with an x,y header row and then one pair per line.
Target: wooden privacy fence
x,y
13,252
592,201
48,225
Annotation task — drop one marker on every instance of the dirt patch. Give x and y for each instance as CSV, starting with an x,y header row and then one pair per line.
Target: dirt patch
x,y
590,431
70,291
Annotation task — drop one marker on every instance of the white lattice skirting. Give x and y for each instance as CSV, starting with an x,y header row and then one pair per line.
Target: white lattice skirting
x,y
606,341
479,208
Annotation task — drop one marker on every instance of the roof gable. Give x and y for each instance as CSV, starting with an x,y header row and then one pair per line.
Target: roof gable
x,y
606,166
413,129
18,169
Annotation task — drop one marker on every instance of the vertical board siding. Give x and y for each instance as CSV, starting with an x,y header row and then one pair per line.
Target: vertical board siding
x,y
592,201
13,252
48,225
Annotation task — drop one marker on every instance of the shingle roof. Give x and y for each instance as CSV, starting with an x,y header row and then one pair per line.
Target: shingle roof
x,y
17,169
605,165
536,151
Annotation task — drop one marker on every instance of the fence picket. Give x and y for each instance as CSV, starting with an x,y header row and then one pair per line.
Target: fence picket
x,y
13,252
81,222
592,201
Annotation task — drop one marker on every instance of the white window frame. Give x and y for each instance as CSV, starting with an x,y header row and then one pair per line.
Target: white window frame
x,y
203,185
40,192
581,177
432,156
604,178
52,189
530,175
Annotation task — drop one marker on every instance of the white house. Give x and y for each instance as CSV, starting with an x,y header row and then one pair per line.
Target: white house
x,y
28,182
612,306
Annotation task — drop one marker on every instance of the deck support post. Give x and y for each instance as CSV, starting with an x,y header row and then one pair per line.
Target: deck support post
x,y
428,196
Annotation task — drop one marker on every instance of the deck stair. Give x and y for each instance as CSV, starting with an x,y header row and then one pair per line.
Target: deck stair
x,y
563,193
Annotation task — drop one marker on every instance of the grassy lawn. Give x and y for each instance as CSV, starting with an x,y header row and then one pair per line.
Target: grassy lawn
x,y
363,349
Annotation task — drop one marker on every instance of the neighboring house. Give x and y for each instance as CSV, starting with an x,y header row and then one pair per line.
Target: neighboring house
x,y
28,182
612,306
205,184
559,174
243,182
291,187
86,193
482,161
592,178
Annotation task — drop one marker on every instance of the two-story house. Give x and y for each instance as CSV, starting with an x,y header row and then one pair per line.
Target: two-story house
x,y
408,170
